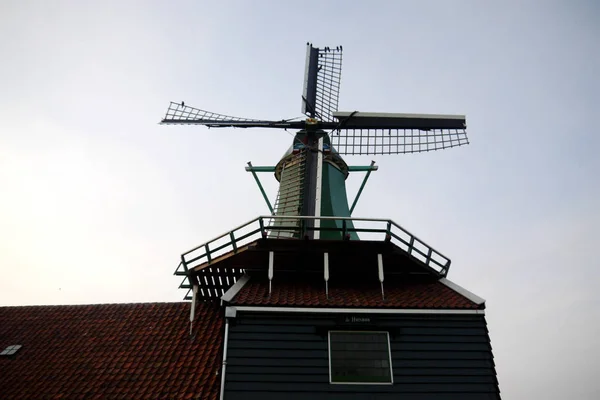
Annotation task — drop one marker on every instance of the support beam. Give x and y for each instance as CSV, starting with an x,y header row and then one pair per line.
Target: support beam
x,y
252,169
362,186
362,168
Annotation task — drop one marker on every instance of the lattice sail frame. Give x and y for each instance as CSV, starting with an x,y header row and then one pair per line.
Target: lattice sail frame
x,y
179,112
395,141
322,81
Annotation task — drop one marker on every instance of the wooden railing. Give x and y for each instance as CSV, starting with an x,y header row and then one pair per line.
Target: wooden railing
x,y
264,226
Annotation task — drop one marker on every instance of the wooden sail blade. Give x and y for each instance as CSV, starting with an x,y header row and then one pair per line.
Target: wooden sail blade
x,y
369,120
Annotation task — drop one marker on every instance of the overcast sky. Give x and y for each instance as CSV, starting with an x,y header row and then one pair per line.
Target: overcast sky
x,y
97,201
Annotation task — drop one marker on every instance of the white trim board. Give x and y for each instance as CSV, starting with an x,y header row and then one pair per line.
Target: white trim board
x,y
462,291
318,191
353,310
235,288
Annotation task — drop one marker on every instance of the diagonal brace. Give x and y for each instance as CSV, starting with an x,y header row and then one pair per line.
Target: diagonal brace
x,y
253,170
362,186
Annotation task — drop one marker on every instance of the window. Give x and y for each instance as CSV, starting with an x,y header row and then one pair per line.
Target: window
x,y
359,357
10,350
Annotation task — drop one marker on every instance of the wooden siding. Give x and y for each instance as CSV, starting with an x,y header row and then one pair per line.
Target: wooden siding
x,y
285,356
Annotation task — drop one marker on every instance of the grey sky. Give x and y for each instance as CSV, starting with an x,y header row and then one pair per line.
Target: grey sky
x,y
97,201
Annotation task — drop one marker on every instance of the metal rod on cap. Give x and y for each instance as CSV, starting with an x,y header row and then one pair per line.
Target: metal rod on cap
x,y
380,267
270,274
326,273
193,308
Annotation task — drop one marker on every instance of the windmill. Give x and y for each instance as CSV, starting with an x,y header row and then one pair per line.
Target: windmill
x,y
312,202
312,173
305,307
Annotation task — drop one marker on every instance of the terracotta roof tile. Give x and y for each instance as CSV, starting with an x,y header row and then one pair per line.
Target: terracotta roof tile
x,y
423,295
111,351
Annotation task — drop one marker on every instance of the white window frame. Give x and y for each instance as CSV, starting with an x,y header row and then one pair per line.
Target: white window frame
x,y
391,382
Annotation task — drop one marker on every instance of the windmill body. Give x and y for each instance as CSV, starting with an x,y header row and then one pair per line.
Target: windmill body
x,y
319,303
321,192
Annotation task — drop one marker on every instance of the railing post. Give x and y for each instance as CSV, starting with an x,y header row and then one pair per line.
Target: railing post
x,y
262,227
446,268
233,242
184,264
207,253
388,231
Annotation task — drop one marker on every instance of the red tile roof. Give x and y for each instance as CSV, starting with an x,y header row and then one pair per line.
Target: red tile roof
x,y
111,351
420,295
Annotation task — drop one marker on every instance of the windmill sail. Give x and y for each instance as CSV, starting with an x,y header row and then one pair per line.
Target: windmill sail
x,y
360,133
322,80
180,114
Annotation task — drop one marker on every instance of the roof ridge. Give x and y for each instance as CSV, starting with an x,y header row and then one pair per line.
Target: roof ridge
x,y
96,304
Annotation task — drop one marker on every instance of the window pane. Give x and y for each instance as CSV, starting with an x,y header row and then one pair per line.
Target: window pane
x,y
359,357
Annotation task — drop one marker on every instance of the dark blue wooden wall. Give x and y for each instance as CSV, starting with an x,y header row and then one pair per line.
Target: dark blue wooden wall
x,y
285,356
